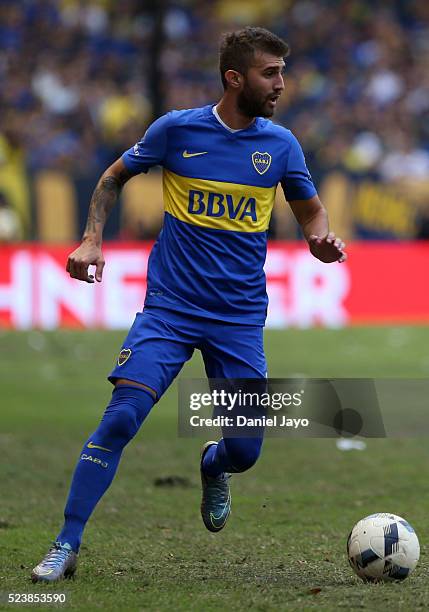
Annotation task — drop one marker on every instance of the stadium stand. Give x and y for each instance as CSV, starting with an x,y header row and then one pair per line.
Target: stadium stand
x,y
78,86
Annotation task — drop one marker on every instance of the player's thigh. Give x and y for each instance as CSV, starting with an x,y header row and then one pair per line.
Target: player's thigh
x,y
234,351
152,354
237,352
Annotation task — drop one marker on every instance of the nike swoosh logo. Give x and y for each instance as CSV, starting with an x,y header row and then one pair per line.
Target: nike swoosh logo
x,y
44,572
91,445
219,521
186,154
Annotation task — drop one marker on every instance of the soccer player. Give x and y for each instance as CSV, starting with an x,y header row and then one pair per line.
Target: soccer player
x,y
205,284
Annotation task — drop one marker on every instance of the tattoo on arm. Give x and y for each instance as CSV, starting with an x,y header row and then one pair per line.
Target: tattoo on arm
x,y
103,200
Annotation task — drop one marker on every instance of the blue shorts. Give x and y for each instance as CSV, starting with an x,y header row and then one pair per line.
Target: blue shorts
x,y
160,342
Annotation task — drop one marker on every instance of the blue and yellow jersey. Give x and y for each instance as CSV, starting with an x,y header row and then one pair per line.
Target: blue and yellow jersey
x,y
219,188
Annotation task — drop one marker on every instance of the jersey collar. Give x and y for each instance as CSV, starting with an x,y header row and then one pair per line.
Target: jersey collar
x,y
208,112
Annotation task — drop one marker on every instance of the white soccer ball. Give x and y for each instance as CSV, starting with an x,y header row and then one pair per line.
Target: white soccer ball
x,y
383,547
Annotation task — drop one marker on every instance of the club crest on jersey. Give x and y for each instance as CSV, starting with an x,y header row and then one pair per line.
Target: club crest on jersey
x,y
261,161
123,356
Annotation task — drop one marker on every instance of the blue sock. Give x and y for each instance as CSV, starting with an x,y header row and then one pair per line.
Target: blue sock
x,y
232,455
100,457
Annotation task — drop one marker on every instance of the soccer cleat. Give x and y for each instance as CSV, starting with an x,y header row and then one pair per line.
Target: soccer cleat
x,y
216,500
59,563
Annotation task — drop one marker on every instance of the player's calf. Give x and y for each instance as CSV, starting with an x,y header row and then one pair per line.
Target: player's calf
x,y
242,453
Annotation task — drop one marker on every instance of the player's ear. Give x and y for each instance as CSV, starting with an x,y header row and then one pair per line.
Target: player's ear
x,y
233,78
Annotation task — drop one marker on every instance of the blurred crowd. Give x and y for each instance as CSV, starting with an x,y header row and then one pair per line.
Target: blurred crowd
x,y
357,79
78,85
73,79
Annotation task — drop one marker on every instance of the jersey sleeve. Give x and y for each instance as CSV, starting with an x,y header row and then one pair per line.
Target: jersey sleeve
x,y
150,150
297,182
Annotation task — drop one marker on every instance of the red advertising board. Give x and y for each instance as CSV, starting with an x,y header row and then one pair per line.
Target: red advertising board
x,y
380,283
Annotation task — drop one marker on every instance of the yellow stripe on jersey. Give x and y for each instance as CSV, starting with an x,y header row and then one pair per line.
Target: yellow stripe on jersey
x,y
224,206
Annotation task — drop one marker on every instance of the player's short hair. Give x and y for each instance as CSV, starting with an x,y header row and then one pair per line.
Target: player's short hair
x,y
237,49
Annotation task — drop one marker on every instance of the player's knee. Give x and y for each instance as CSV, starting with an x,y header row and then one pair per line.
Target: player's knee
x,y
124,415
243,453
127,422
118,426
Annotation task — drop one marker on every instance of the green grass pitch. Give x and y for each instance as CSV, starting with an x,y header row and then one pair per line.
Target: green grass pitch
x,y
145,547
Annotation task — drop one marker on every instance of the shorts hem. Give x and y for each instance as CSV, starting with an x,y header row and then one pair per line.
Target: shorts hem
x,y
112,378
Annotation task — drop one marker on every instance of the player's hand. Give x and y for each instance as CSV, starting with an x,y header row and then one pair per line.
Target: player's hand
x,y
87,254
328,249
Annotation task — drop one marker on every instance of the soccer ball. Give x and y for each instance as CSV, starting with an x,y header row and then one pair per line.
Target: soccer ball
x,y
383,547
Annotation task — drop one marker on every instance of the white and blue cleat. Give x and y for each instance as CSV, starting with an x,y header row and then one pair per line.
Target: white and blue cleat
x,y
216,498
59,563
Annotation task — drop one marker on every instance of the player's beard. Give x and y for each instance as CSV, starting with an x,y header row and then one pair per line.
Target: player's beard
x,y
252,105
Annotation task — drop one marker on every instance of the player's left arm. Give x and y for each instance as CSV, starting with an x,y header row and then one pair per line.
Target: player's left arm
x,y
309,211
313,219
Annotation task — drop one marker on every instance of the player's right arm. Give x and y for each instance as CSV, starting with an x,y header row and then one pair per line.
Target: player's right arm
x,y
103,199
148,152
